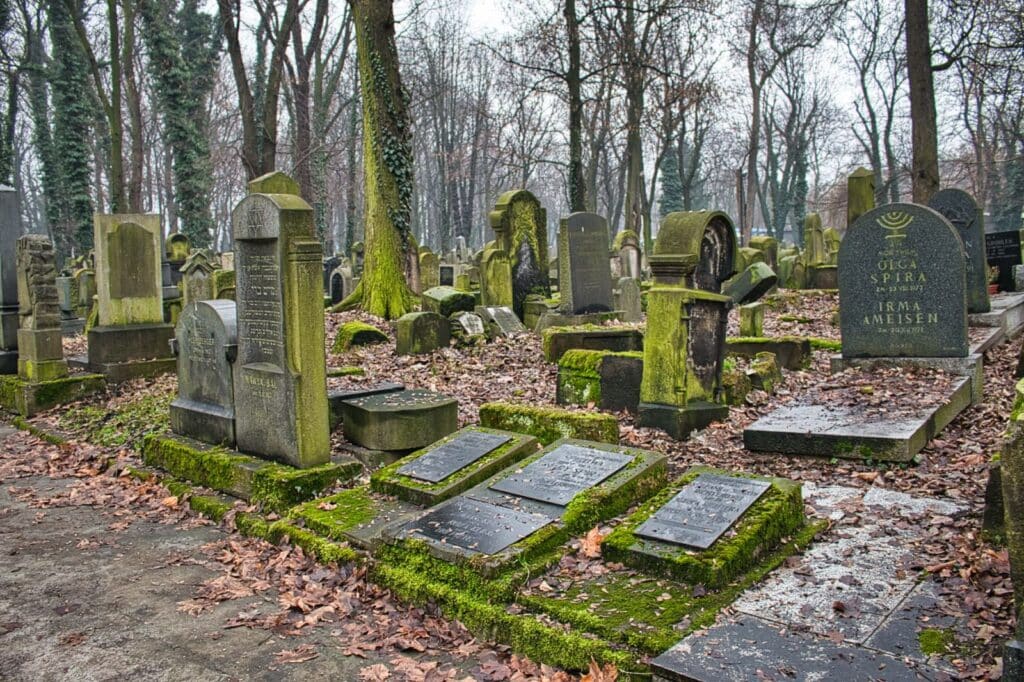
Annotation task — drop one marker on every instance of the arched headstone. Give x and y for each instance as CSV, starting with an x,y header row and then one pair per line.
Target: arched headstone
x,y
961,210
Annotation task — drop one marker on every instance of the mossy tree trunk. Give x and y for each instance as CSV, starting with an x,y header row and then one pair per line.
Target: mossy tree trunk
x,y
391,259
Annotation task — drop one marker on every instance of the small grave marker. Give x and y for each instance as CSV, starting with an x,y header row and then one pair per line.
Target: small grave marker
x,y
477,526
703,510
561,474
439,464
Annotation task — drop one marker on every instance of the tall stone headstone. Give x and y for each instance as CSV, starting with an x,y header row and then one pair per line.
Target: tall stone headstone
x,y
131,338
814,241
902,285
520,224
178,249
280,374
495,277
10,231
627,244
40,351
860,194
430,270
684,347
962,211
585,280
206,345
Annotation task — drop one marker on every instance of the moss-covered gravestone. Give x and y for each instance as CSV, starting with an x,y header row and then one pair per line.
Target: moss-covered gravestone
x,y
430,273
280,376
627,245
860,194
422,332
684,347
206,340
131,338
197,277
495,277
962,211
520,224
584,276
42,380
814,241
10,230
902,285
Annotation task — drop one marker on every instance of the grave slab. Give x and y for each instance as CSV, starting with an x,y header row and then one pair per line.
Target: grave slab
x,y
562,473
336,397
452,465
1007,313
477,526
402,420
844,431
749,648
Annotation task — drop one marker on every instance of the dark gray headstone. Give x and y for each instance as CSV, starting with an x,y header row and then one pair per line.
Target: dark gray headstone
x,y
1002,250
206,338
447,275
585,276
10,231
961,210
444,460
477,526
703,510
501,319
561,474
902,285
337,287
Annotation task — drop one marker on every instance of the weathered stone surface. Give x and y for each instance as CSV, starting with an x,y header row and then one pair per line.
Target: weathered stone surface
x,y
430,276
902,285
520,225
814,241
476,526
423,332
558,340
584,277
206,340
627,244
468,327
446,300
860,194
500,321
769,246
447,275
628,300
40,350
128,276
752,319
197,277
963,213
751,284
280,375
561,474
403,420
10,231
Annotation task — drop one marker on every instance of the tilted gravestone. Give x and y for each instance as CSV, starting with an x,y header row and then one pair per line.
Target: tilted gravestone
x,y
584,276
206,345
520,224
10,230
902,285
41,353
684,347
131,338
280,375
963,213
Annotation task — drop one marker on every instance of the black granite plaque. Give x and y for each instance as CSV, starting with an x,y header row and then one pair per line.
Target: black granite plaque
x,y
1002,250
558,476
584,236
476,526
703,510
447,275
446,459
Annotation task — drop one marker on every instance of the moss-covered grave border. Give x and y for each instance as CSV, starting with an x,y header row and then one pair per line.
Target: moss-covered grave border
x,y
548,424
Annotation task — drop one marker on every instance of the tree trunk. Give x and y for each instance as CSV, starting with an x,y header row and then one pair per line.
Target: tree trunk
x,y
925,163
391,261
134,110
577,188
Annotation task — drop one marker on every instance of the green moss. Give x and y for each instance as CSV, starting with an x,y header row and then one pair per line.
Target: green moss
x,y
356,333
616,494
818,343
331,516
125,426
795,318
582,361
322,550
279,487
346,371
548,424
213,467
776,515
935,641
25,425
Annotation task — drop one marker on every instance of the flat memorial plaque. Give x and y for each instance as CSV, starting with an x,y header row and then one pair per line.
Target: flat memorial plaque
x,y
562,473
703,510
476,526
445,460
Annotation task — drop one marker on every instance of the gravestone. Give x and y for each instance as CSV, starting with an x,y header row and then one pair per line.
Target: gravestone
x,y
495,275
131,338
902,280
10,231
341,284
584,278
400,421
177,251
461,249
467,326
477,526
1003,251
357,258
458,453
227,260
520,226
628,300
687,316
40,349
703,510
206,341
330,265
814,241
447,275
563,473
500,321
197,277
627,244
429,271
751,284
860,194
280,379
752,320
422,332
85,284
963,213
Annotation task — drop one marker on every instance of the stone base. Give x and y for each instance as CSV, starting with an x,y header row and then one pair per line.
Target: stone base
x,y
131,351
554,318
72,327
616,339
401,421
680,422
207,423
8,362
336,397
1013,661
1007,313
971,366
790,352
27,399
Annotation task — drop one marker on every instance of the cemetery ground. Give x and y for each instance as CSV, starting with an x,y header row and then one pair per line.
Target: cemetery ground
x,y
111,572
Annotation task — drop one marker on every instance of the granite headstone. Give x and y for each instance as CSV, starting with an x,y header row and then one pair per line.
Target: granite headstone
x,y
961,210
584,276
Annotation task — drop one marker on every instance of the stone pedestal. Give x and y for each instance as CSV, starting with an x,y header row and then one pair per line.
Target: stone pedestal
x,y
126,352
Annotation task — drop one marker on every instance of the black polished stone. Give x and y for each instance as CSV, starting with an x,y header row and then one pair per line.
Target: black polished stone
x,y
444,460
902,285
587,287
476,526
703,510
561,474
1002,250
